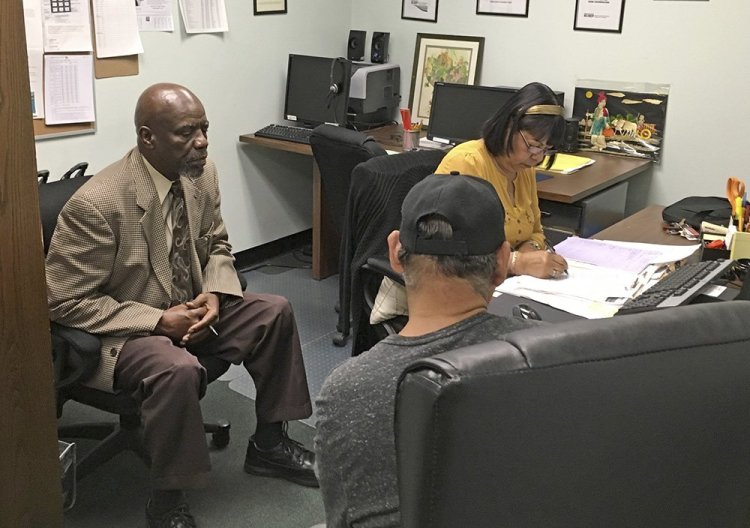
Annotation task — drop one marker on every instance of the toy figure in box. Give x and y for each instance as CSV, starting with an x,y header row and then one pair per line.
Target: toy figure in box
x,y
625,119
600,122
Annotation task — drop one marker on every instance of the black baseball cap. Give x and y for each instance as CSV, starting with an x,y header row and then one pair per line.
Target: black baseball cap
x,y
469,204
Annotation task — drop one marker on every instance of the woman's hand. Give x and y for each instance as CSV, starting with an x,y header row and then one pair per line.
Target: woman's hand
x,y
541,264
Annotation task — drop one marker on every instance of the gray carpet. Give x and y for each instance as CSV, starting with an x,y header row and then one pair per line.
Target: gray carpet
x,y
115,494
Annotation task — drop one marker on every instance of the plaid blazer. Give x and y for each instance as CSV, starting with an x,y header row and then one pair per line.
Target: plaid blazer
x,y
108,269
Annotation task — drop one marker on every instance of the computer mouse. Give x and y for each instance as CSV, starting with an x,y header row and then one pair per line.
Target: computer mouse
x,y
524,311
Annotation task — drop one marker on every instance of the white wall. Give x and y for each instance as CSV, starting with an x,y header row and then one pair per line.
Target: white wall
x,y
240,77
699,48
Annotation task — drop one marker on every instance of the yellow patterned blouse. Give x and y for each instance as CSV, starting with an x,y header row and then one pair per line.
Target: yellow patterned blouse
x,y
522,217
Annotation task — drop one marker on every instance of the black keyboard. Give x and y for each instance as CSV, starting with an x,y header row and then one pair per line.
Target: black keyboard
x,y
677,287
287,133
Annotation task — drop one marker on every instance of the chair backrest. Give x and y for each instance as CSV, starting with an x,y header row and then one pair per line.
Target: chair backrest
x,y
337,151
638,420
52,197
373,210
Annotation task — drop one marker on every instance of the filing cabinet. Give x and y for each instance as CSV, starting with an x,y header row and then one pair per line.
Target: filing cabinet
x,y
585,217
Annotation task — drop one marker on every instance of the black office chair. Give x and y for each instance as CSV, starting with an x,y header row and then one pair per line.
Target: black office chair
x,y
76,356
638,420
373,210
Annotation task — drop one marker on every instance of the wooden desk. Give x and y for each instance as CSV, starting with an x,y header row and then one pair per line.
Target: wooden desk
x,y
643,226
565,188
605,172
324,247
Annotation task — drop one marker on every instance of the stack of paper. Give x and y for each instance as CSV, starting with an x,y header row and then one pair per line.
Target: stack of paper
x,y
602,275
567,163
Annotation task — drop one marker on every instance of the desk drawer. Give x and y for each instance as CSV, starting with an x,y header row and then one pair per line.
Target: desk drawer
x,y
561,215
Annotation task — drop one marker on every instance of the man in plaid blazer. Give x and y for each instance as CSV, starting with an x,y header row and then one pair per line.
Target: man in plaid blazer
x,y
109,273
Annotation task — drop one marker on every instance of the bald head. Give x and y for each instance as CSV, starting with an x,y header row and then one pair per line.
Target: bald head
x,y
172,130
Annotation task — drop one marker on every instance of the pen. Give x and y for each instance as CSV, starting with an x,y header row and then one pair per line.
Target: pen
x,y
211,327
551,249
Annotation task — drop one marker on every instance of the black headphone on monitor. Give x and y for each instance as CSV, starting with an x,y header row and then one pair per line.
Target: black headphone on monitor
x,y
334,87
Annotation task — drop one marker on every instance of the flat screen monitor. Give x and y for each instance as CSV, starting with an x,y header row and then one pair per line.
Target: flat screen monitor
x,y
459,111
317,90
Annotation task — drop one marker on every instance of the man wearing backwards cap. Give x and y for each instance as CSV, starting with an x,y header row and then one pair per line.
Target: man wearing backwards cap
x,y
452,257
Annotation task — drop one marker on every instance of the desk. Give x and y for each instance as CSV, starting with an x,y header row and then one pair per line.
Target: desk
x,y
561,188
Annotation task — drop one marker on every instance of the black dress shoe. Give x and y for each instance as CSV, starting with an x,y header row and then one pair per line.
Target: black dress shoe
x,y
177,517
288,460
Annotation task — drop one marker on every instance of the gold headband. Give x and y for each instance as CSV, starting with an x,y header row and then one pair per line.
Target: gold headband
x,y
555,110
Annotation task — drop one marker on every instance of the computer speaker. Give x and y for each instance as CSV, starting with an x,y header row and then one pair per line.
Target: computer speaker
x,y
570,139
356,49
379,48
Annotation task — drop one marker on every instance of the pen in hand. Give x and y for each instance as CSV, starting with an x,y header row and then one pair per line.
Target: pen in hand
x,y
211,327
557,274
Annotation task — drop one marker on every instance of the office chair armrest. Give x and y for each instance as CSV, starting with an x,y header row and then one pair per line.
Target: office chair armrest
x,y
76,354
381,266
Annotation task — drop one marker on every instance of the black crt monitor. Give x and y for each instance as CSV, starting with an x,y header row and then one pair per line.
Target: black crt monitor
x,y
317,90
459,111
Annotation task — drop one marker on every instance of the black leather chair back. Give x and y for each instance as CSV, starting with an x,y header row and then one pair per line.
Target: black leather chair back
x,y
337,151
639,420
373,210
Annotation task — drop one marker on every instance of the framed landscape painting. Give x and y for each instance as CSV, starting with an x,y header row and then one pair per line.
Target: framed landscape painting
x,y
442,58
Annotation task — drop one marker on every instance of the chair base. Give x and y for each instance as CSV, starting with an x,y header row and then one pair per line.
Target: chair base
x,y
125,436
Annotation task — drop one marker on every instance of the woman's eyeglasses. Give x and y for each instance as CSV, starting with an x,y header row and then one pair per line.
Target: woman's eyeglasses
x,y
535,150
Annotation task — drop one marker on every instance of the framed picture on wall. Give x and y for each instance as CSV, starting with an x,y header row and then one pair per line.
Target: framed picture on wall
x,y
451,59
595,15
269,7
505,8
419,10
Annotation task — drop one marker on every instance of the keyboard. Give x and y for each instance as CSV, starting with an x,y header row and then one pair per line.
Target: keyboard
x,y
287,133
678,287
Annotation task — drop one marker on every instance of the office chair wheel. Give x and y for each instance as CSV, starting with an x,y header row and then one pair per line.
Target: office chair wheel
x,y
340,339
220,437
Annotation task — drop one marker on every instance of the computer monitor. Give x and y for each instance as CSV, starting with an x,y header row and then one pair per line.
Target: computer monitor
x,y
317,90
459,111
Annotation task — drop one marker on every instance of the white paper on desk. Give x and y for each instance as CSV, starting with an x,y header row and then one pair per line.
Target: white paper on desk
x,y
67,31
204,16
627,256
154,15
116,28
69,89
586,292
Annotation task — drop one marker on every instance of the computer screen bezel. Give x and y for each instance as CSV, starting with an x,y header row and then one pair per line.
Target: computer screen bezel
x,y
331,79
468,92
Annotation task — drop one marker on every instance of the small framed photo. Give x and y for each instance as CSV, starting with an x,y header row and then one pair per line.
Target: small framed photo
x,y
519,8
444,58
419,10
269,7
595,15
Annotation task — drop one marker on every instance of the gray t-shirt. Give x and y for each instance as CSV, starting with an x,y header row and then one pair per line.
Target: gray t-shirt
x,y
354,441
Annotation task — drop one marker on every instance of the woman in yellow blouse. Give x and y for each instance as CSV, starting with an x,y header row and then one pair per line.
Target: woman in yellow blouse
x,y
514,141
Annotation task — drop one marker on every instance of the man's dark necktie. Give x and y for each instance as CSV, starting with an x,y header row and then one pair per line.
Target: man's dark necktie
x,y
179,256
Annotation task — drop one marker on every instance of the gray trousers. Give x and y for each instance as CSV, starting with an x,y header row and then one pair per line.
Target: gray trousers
x,y
261,333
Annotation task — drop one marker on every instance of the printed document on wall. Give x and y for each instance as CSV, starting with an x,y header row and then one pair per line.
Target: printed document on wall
x,y
69,89
154,15
116,29
204,16
67,26
32,17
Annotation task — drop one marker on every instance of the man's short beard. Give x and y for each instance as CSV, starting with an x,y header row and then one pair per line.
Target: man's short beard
x,y
190,171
